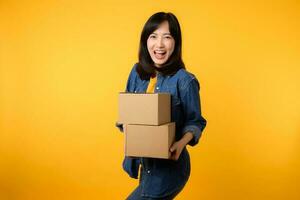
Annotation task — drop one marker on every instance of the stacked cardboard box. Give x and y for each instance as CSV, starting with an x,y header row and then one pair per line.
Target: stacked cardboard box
x,y
146,119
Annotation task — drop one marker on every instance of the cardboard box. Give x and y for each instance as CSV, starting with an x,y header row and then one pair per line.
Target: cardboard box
x,y
149,141
145,108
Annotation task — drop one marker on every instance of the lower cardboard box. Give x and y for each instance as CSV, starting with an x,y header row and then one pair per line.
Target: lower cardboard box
x,y
149,140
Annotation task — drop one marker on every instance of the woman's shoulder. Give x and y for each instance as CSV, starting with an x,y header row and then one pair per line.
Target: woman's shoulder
x,y
133,71
186,78
184,75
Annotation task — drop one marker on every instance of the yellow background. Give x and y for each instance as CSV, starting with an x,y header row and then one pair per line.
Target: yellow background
x,y
62,64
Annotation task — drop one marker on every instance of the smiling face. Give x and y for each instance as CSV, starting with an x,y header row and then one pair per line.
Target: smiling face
x,y
160,44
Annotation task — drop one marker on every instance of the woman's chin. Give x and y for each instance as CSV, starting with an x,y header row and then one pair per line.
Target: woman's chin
x,y
159,65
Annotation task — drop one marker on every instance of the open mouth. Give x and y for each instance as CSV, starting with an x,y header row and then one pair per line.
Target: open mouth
x,y
160,54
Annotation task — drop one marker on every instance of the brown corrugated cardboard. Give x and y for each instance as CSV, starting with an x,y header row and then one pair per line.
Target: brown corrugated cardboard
x,y
149,141
145,108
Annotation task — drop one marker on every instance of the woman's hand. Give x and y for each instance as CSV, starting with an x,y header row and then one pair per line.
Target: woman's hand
x,y
176,149
178,146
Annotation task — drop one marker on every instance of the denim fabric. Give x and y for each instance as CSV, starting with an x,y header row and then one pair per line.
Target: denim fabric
x,y
139,193
164,177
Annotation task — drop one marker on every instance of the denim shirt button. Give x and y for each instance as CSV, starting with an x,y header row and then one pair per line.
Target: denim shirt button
x,y
148,171
157,88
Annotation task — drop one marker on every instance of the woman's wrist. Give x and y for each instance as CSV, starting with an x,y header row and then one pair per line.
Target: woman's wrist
x,y
187,137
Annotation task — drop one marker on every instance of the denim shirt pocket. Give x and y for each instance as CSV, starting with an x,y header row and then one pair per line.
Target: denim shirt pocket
x,y
140,86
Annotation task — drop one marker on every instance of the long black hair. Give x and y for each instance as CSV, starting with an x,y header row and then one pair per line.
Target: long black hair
x,y
145,66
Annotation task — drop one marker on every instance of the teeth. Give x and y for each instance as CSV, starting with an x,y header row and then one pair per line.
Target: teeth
x,y
159,51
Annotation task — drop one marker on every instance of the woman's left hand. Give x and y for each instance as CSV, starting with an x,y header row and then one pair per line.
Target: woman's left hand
x,y
178,146
176,149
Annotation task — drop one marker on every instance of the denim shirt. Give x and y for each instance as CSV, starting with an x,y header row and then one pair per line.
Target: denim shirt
x,y
161,177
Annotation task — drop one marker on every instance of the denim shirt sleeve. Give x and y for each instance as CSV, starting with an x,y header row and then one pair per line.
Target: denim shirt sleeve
x,y
131,166
193,120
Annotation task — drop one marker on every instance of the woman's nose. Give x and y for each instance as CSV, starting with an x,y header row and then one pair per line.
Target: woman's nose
x,y
160,42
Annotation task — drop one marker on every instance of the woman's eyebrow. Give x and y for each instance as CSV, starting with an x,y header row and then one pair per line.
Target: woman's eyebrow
x,y
163,34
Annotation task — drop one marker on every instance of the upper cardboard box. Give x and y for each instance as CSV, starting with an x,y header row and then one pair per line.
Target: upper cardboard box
x,y
145,108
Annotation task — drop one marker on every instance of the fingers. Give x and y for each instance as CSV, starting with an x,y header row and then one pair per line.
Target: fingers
x,y
175,151
174,154
175,157
173,147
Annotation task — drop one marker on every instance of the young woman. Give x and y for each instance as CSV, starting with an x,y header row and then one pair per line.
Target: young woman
x,y
161,69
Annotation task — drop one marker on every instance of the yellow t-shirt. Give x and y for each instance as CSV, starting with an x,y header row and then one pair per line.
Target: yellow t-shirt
x,y
151,86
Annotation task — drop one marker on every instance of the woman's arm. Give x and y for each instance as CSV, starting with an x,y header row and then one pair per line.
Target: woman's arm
x,y
191,106
194,123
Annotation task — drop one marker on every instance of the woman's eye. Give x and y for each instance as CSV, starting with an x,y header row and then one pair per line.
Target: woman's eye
x,y
152,36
